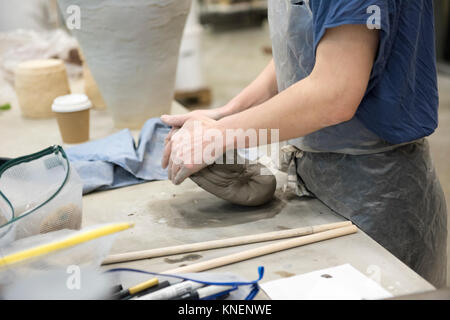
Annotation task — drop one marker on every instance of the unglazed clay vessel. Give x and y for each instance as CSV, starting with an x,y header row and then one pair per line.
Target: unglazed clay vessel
x,y
91,89
131,48
37,84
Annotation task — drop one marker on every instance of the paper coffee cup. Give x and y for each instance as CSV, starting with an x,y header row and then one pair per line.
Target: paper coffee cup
x,y
72,114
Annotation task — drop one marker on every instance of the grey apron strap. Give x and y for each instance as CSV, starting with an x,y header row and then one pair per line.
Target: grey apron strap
x,y
289,156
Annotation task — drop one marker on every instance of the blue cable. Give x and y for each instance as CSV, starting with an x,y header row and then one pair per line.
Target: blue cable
x,y
250,296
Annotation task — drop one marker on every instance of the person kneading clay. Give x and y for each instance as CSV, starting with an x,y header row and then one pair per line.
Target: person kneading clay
x,y
352,87
237,182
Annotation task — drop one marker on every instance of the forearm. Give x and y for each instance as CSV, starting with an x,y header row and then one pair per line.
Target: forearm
x,y
260,90
305,107
330,95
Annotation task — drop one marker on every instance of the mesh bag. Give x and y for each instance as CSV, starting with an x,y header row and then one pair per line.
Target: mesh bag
x,y
44,193
6,216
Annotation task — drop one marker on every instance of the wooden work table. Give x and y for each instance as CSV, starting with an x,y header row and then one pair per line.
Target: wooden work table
x,y
166,215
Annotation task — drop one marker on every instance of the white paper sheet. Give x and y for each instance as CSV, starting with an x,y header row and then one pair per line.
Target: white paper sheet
x,y
338,283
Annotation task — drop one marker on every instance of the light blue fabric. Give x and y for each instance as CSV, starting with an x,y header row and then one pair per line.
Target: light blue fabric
x,y
115,161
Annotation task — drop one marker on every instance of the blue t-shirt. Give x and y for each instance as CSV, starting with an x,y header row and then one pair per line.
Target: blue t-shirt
x,y
401,102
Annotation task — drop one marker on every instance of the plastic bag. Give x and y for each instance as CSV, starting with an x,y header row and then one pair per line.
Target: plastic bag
x,y
22,45
57,251
44,192
46,266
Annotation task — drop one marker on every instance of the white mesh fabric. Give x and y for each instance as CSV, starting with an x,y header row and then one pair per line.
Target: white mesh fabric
x,y
45,193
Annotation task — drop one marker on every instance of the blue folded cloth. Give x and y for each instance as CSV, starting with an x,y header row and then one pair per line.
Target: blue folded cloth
x,y
115,161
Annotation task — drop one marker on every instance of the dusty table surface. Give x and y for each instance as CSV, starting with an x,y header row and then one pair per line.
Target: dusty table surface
x,y
166,215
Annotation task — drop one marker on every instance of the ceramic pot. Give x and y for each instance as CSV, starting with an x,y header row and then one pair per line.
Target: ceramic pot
x,y
91,89
131,48
37,84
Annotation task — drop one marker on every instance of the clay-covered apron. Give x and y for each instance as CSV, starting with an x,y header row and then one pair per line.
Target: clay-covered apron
x,y
391,192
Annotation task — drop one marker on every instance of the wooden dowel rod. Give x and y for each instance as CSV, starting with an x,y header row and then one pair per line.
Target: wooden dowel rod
x,y
267,249
215,244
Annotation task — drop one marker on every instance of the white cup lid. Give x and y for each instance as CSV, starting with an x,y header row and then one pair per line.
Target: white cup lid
x,y
71,103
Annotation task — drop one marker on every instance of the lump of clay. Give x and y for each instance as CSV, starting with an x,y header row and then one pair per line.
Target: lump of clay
x,y
241,184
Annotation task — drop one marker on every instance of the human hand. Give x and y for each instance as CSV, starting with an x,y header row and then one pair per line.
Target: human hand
x,y
177,121
192,147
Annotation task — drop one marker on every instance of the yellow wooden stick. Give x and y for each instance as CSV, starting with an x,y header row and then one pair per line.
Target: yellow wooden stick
x,y
70,241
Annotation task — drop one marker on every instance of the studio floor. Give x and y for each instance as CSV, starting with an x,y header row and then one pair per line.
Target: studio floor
x,y
232,59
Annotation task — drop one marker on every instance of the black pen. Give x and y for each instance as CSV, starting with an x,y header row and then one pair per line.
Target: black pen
x,y
116,288
160,286
204,293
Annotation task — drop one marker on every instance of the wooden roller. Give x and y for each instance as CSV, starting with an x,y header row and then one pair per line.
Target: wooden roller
x,y
267,249
215,244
